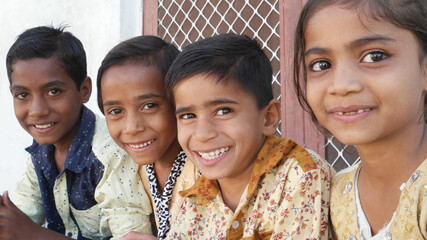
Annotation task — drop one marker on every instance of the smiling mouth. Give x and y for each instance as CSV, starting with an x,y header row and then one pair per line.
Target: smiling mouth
x,y
44,126
354,112
141,145
214,154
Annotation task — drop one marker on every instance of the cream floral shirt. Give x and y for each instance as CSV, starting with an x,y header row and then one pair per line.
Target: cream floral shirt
x,y
286,198
410,218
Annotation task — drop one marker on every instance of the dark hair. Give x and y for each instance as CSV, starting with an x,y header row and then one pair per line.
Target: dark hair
x,y
228,57
406,14
45,42
144,50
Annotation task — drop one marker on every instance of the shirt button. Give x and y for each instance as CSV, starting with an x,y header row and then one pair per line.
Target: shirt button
x,y
235,224
348,187
415,176
70,234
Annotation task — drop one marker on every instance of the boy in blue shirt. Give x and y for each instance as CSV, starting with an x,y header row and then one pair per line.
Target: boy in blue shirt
x,y
77,181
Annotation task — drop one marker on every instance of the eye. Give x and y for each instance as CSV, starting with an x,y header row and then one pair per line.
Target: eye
x,y
115,111
223,111
375,56
21,95
53,92
149,106
187,116
320,65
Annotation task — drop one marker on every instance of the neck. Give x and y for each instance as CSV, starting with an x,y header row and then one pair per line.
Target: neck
x,y
394,159
233,188
163,166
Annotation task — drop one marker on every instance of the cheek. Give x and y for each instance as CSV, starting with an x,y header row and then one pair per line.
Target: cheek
x,y
312,96
183,135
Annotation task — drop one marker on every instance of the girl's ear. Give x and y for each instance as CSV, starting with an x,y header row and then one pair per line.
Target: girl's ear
x,y
86,89
271,114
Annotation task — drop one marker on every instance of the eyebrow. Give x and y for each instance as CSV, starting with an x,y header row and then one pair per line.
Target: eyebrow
x,y
48,84
352,45
367,40
208,104
141,97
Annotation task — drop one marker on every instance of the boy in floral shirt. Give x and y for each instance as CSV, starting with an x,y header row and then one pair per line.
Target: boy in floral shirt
x,y
254,184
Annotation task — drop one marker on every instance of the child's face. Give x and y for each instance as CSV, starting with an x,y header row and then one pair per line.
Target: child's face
x,y
219,126
365,81
139,115
46,101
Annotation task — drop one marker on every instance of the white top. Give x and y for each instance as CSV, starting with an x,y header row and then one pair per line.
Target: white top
x,y
363,223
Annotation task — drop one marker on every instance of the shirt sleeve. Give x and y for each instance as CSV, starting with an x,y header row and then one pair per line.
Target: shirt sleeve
x,y
303,212
122,199
28,196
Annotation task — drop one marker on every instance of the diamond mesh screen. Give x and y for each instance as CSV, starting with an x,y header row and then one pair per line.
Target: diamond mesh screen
x,y
184,21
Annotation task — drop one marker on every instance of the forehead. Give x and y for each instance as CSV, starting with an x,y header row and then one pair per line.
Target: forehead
x,y
38,70
334,24
133,76
203,87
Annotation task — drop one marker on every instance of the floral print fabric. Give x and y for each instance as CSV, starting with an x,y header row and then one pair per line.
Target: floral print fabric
x,y
286,198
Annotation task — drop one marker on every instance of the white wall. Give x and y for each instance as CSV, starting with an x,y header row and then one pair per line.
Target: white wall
x,y
99,24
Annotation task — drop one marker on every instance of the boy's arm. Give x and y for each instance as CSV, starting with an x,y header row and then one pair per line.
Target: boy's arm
x,y
28,196
14,224
122,199
304,210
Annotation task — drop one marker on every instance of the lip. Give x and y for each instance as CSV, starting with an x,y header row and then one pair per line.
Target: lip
x,y
214,159
140,146
351,113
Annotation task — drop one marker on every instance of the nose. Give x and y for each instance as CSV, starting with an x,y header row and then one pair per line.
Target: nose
x,y
205,130
39,107
134,123
345,79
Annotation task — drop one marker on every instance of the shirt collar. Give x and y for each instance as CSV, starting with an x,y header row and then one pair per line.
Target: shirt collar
x,y
273,151
80,148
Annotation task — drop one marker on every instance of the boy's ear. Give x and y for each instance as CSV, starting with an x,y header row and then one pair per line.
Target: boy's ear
x,y
271,114
86,89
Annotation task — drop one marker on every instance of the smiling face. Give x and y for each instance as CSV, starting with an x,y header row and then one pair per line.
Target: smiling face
x,y
220,126
139,114
365,81
46,101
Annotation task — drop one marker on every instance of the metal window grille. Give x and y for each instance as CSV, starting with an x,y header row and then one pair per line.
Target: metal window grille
x,y
184,21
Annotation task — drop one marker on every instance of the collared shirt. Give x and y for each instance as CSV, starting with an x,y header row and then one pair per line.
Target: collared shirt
x,y
409,220
98,194
188,174
161,200
287,198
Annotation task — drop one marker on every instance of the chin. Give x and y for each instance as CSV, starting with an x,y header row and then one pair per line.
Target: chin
x,y
142,161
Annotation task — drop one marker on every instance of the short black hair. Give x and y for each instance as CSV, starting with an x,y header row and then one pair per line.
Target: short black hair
x,y
48,41
228,57
143,50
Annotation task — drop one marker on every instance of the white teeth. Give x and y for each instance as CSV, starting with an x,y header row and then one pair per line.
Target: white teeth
x,y
214,154
44,125
353,112
141,145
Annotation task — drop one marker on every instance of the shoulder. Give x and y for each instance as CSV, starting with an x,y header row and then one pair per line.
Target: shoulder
x,y
344,176
305,160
